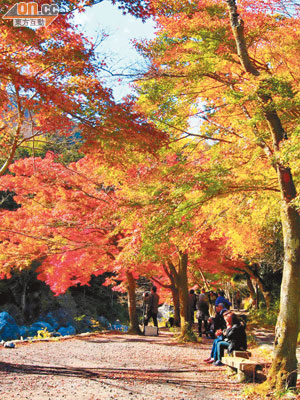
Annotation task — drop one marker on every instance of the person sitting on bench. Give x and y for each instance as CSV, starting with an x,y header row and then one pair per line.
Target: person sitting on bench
x,y
233,338
217,323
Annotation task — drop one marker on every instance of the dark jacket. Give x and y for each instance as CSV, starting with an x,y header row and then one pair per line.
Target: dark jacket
x,y
221,299
192,301
202,307
219,321
153,304
237,337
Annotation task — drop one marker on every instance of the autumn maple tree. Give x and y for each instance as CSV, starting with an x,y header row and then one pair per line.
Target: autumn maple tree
x,y
50,86
168,233
234,69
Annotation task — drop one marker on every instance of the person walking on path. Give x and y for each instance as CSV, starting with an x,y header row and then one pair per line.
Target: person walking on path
x,y
202,314
152,308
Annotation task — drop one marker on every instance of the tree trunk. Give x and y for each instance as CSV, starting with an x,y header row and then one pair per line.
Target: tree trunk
x,y
23,297
283,372
172,274
203,278
16,136
174,278
176,304
254,275
133,318
183,295
257,296
251,288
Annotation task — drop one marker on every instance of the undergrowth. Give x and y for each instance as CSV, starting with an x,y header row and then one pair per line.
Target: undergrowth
x,y
43,334
262,392
263,317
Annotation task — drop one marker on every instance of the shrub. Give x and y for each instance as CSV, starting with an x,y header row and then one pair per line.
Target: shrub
x,y
43,334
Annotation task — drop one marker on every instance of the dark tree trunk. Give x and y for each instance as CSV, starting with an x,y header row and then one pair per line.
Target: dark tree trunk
x,y
174,277
283,372
260,283
183,294
172,274
251,289
133,318
176,304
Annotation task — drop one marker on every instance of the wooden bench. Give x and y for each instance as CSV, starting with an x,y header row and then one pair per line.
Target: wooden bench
x,y
241,353
245,368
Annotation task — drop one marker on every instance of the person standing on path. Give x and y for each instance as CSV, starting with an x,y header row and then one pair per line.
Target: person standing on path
x,y
152,307
202,313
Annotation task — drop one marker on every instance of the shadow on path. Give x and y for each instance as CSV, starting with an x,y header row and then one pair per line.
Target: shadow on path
x,y
150,376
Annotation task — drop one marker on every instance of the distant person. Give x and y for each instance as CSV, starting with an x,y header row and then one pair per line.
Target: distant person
x,y
152,309
212,296
206,295
202,314
192,304
221,299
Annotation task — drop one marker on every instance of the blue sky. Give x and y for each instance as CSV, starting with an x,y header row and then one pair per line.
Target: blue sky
x,y
117,47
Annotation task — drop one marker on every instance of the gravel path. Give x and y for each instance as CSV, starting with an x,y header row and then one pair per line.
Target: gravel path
x,y
113,366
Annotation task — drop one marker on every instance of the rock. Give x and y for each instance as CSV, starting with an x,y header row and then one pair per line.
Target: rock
x,y
68,330
9,330
9,345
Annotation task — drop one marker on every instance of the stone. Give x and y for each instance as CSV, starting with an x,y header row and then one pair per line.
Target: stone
x,y
9,345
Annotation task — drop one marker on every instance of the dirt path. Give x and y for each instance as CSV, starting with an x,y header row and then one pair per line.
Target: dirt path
x,y
113,367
